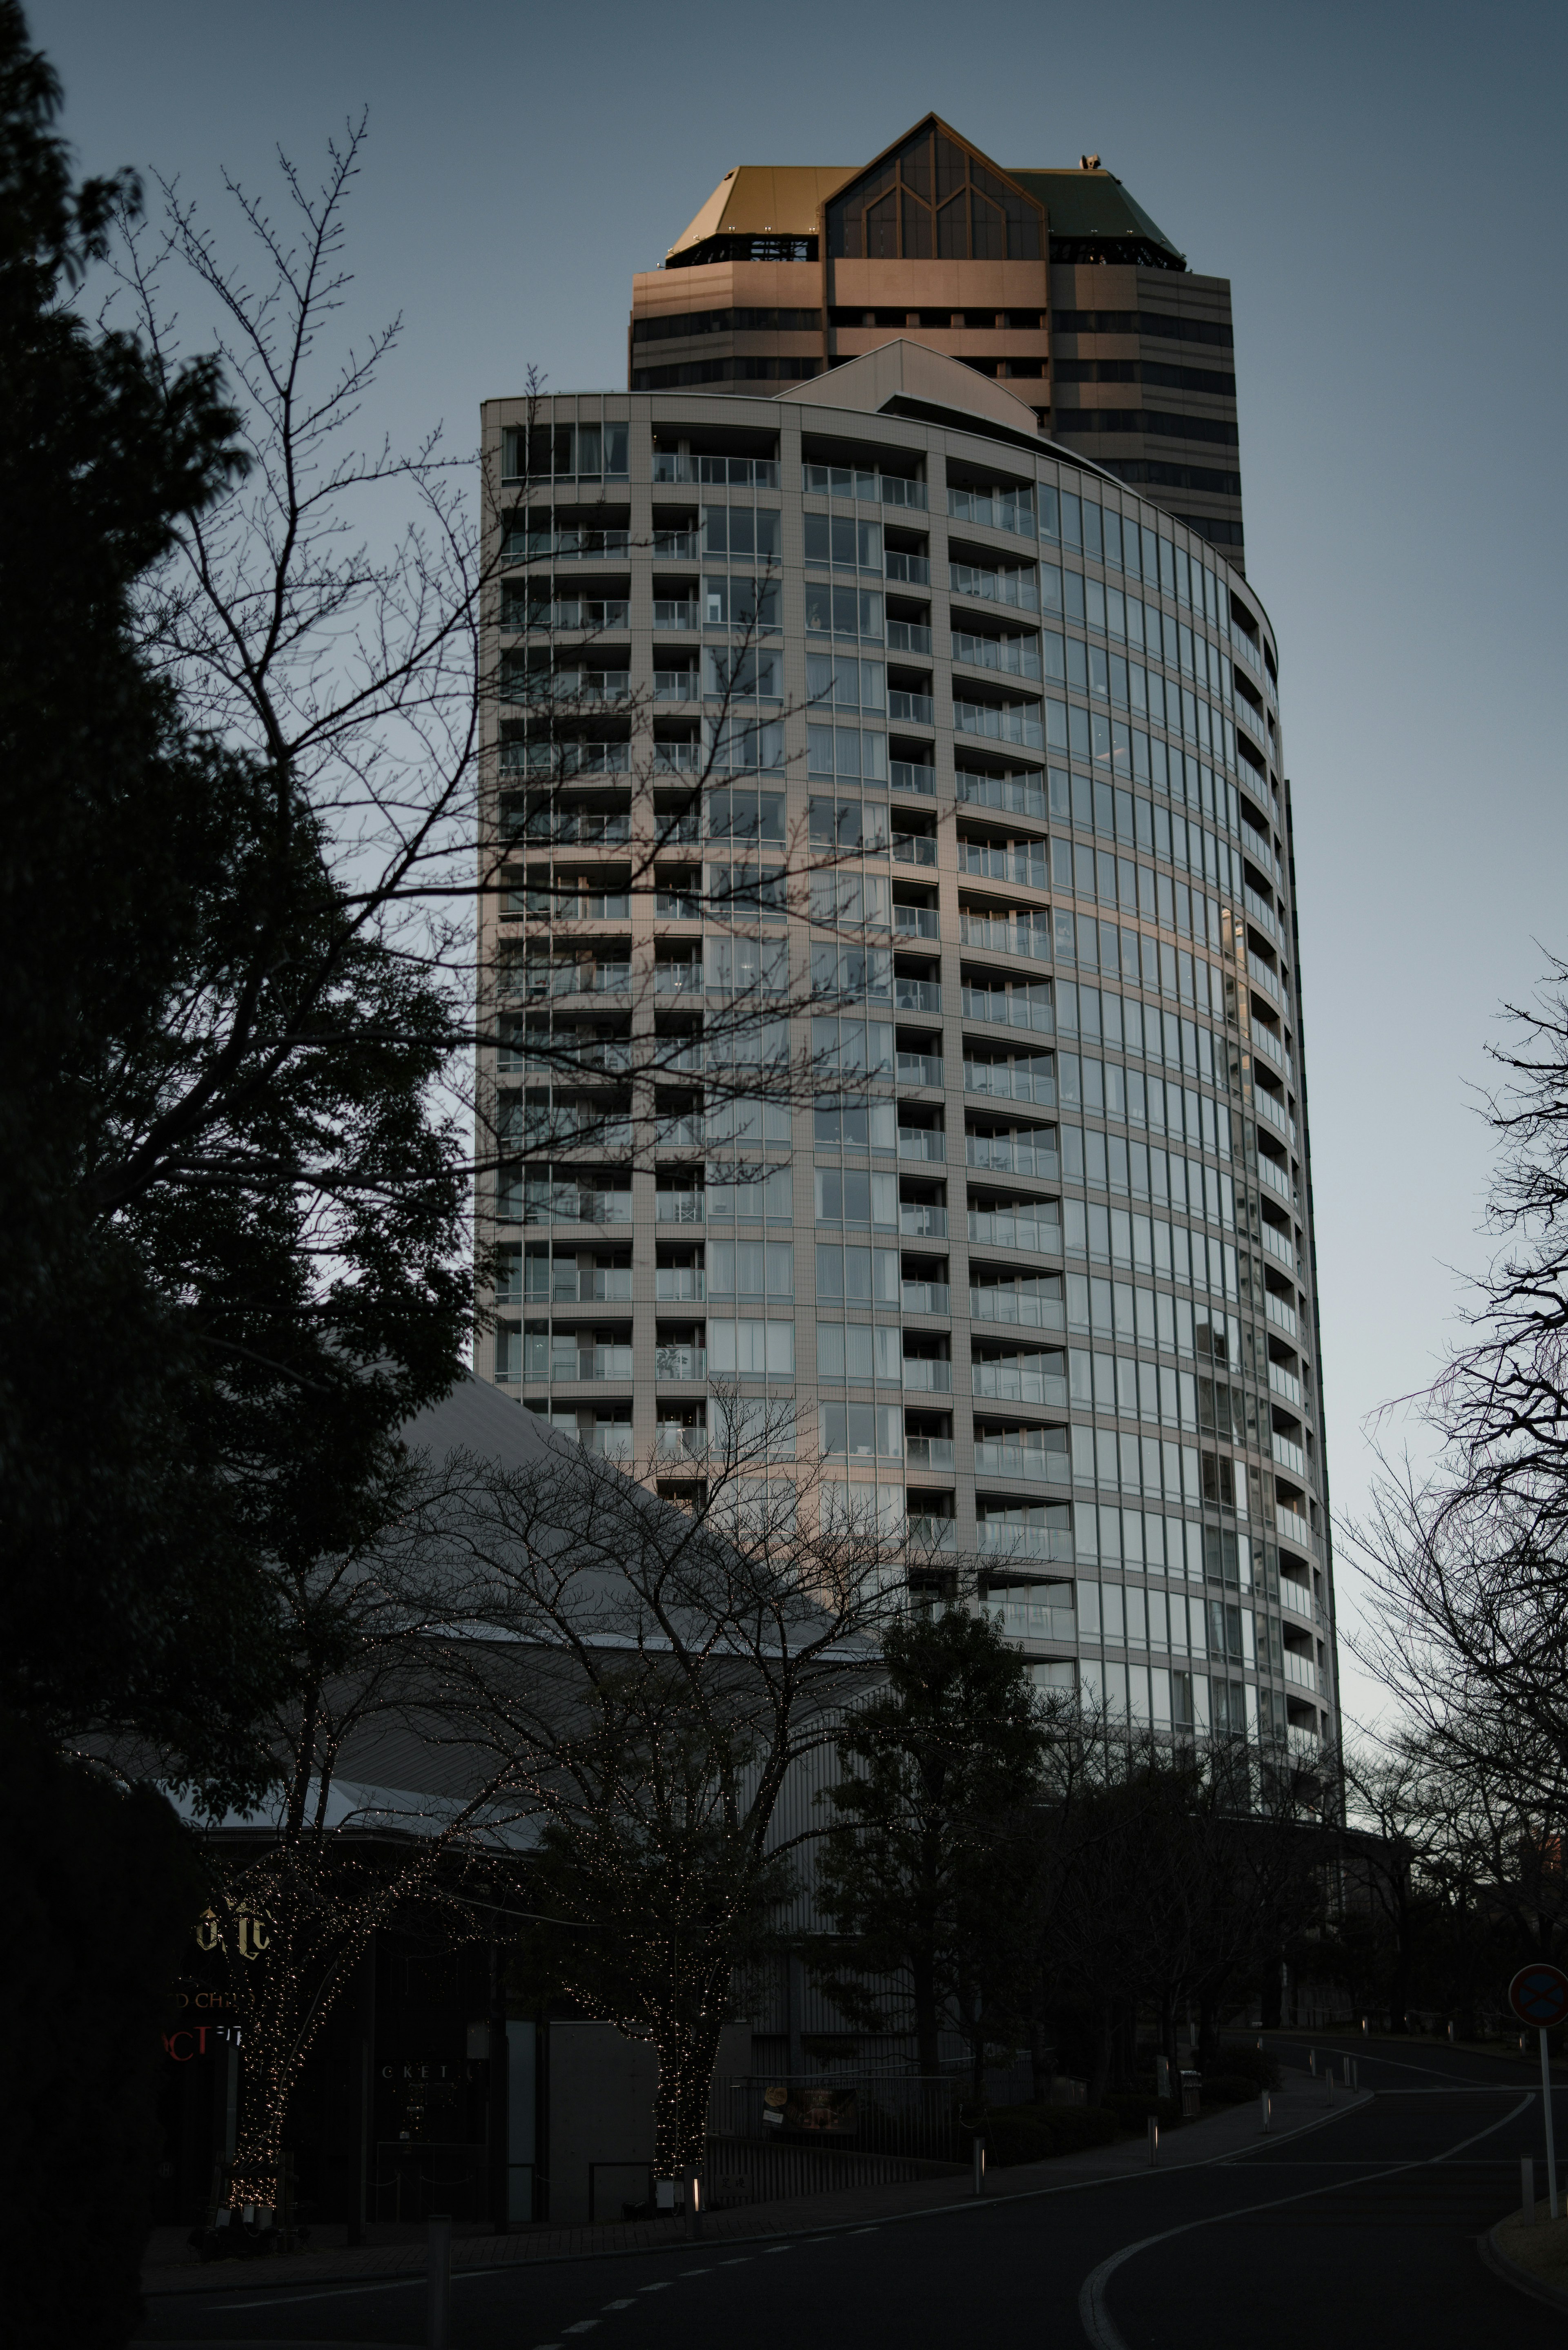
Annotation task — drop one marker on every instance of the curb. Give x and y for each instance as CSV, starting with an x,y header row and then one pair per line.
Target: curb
x,y
1494,2257
245,2272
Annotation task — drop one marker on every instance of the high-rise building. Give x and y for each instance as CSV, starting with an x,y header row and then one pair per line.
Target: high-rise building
x,y
1040,1281
1054,281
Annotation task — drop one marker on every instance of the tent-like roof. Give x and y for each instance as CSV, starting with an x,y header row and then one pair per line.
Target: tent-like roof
x,y
765,200
1090,203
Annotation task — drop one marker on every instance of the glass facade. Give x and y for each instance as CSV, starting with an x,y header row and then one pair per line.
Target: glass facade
x,y
992,761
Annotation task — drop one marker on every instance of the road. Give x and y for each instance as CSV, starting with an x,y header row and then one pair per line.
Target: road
x,y
1358,2230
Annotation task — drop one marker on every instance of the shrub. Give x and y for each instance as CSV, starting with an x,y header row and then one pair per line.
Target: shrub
x,y
1228,2088
1241,2061
1133,2107
1016,2133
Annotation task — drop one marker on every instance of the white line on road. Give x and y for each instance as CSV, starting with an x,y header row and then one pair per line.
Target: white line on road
x,y
1095,2316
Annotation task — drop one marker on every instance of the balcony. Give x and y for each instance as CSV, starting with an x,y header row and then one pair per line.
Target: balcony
x,y
1016,1383
921,1220
912,710
1294,1527
924,1375
1006,722
675,612
914,848
917,994
1266,979
1261,910
928,1533
677,546
995,1537
928,1452
1269,1045
1014,794
1285,1384
863,482
680,1284
547,979
679,979
1275,1179
922,1142
1025,1619
1010,1081
571,758
1009,1301
928,1297
572,546
1299,1671
998,509
742,473
680,1363
587,1363
1276,1245
905,636
1034,1462
912,775
1015,1154
1023,935
1282,1316
675,1441
919,1068
677,685
914,571
1017,1228
586,829
1289,1455
1017,587
1010,656
572,612
678,759
678,1207
917,921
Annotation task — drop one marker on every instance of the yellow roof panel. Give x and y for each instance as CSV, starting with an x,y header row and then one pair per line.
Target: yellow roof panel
x,y
765,200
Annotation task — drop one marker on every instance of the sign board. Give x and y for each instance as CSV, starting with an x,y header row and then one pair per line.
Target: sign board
x,y
1538,1995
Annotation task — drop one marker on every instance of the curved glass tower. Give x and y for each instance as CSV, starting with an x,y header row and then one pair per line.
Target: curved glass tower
x,y
1040,1279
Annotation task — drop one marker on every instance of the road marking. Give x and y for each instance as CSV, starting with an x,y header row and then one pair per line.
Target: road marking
x,y
1095,2316
664,2283
583,2325
620,2304
696,2271
739,2262
780,2248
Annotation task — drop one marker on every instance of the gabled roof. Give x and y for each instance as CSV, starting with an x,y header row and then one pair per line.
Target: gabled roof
x,y
1089,203
765,200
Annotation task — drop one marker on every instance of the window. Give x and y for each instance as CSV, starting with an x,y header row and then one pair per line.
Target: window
x,y
741,530
842,611
843,540
862,1430
751,1349
864,1276
739,603
860,1353
748,1191
933,198
750,1269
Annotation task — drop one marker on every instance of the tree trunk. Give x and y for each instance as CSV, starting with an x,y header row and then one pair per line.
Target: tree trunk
x,y
1100,2078
688,2050
924,2001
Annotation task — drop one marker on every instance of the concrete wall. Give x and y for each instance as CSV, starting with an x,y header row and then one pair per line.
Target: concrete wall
x,y
601,2114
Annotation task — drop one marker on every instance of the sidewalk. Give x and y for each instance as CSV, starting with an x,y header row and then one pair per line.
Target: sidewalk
x,y
1299,2105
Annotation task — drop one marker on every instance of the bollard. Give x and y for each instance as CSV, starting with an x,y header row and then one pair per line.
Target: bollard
x,y
1265,2105
1153,2140
1311,2061
1451,2035
1328,2076
691,2189
438,2284
979,2165
1527,2190
1363,2028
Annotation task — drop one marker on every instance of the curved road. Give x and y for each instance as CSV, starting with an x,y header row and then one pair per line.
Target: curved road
x,y
1357,2230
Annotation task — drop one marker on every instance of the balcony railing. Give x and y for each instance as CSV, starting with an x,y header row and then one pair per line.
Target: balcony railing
x,y
1266,979
863,482
1282,1316
1010,1081
596,612
681,1362
1006,722
995,1536
912,710
912,775
1010,1302
928,1451
677,685
1017,587
679,979
917,994
1021,934
1010,656
584,829
915,570
677,546
914,848
998,509
676,612
742,472
571,758
680,1284
1285,1383
928,1297
1289,1455
1293,1526
917,921
908,637
1023,861
1276,1245
1016,1383
998,1457
1017,1228
678,1207
1031,1620
921,1220
1260,910
923,1374
1013,1154
926,1533
677,1442
919,1068
1300,1670
922,1142
1015,795
570,545
678,759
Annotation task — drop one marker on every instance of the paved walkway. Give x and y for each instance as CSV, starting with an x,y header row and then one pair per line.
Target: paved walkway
x,y
1299,2105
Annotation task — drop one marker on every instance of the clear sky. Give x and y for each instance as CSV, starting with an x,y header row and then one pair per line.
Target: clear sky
x,y
1383,185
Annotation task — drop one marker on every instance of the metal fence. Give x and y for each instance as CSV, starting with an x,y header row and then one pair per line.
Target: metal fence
x,y
846,2121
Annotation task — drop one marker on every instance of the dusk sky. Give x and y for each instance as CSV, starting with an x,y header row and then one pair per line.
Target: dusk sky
x,y
1383,186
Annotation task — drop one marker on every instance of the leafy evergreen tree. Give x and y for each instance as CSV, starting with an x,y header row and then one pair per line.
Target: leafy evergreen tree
x,y
928,1872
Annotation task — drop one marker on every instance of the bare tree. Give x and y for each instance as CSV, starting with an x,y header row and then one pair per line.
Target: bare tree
x,y
663,1673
